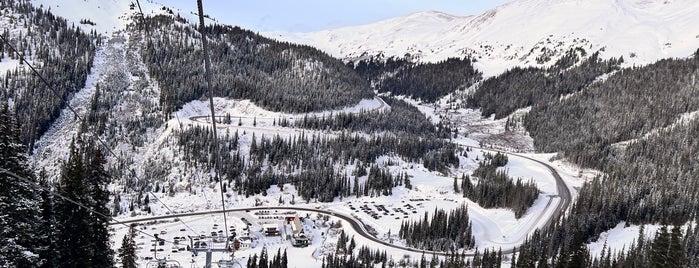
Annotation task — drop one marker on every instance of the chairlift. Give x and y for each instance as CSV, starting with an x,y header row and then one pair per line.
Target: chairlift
x,y
232,263
164,263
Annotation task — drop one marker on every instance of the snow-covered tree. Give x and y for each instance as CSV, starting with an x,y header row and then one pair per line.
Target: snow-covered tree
x,y
20,208
127,252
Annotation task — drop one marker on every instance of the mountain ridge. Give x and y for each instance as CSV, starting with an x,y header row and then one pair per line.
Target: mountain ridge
x,y
519,32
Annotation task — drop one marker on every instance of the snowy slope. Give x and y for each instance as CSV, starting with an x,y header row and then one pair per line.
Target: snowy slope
x,y
108,15
518,32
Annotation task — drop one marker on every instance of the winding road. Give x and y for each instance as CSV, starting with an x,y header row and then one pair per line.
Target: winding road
x,y
563,192
361,228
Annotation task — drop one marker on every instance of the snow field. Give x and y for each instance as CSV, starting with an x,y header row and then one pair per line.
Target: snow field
x,y
204,225
621,237
640,31
52,148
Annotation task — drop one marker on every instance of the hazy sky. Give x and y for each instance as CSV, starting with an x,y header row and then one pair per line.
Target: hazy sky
x,y
314,15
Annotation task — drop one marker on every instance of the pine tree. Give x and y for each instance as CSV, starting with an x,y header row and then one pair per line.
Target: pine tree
x,y
72,221
97,180
48,252
127,252
456,186
677,256
252,261
659,248
20,205
263,259
285,260
352,244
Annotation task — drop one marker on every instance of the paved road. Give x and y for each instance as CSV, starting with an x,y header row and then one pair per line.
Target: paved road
x,y
563,190
363,230
206,118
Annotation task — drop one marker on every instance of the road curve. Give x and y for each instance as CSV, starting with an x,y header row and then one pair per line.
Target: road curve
x,y
563,190
361,228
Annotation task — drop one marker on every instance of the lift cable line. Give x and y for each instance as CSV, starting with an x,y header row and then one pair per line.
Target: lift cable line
x,y
150,42
56,194
149,45
155,57
53,90
80,118
207,76
172,212
143,17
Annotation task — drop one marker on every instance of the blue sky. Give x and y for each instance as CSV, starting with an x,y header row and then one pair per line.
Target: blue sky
x,y
314,15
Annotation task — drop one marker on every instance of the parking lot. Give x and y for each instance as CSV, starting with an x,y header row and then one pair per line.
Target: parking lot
x,y
379,211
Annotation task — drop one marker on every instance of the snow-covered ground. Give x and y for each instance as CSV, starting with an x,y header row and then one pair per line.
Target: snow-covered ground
x,y
474,129
196,226
51,150
247,109
8,64
621,237
108,16
493,228
14,24
518,32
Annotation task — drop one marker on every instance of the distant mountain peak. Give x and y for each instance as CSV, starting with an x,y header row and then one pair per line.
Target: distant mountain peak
x,y
432,14
525,32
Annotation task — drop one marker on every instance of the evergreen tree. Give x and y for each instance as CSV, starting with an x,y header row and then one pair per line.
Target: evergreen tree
x,y
48,251
659,248
456,186
127,252
263,259
677,256
285,260
20,208
97,180
73,226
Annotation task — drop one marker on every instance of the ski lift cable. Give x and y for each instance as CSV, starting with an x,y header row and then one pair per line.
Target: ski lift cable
x,y
80,118
150,46
172,212
145,27
207,76
54,193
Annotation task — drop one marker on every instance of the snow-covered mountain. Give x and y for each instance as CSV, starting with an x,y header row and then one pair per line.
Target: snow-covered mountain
x,y
108,16
519,32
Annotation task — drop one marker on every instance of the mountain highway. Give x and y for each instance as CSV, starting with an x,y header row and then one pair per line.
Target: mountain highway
x,y
363,230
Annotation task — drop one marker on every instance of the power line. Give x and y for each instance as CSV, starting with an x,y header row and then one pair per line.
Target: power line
x,y
55,193
207,76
